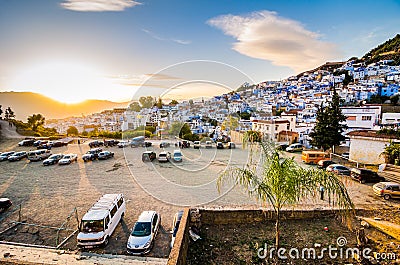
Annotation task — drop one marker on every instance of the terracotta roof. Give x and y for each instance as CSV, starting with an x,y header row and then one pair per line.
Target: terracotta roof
x,y
369,133
289,133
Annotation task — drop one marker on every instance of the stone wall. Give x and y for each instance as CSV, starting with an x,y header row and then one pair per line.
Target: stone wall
x,y
178,253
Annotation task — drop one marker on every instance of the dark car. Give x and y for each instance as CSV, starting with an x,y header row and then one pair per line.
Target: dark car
x,y
52,160
95,143
92,154
5,203
105,155
148,156
164,144
282,147
147,144
111,142
17,156
26,142
39,142
59,144
324,163
220,145
365,175
47,146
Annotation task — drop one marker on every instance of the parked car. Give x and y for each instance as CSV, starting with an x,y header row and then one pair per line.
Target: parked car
x,y
177,156
111,142
387,190
59,144
144,232
138,141
17,156
175,226
365,175
324,163
6,155
68,159
231,145
147,144
165,144
220,145
209,144
123,144
5,203
338,169
294,148
164,156
105,155
38,155
100,221
47,145
52,160
92,154
39,142
196,145
95,143
282,147
26,142
148,156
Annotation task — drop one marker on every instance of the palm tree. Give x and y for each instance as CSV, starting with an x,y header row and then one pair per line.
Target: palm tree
x,y
282,182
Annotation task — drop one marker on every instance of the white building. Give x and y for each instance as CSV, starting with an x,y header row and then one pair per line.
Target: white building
x,y
362,118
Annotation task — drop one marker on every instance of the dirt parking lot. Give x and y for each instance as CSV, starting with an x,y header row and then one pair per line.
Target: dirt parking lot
x,y
49,194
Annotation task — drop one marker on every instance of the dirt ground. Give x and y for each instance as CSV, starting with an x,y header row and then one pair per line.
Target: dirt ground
x,y
48,195
240,244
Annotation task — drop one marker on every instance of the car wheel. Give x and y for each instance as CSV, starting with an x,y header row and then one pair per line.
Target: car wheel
x,y
363,181
386,197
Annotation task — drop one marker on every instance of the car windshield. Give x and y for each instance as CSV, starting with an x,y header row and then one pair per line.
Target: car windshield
x,y
141,229
53,157
177,154
92,226
176,228
66,157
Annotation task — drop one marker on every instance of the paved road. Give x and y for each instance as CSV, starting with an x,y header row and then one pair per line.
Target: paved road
x,y
7,131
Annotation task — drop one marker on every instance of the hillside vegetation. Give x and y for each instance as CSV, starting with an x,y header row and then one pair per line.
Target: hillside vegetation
x,y
389,50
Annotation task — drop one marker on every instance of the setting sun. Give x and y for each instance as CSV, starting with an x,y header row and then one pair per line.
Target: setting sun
x,y
68,82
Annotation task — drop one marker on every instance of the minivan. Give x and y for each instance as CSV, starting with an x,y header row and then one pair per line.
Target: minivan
x,y
294,148
313,157
40,154
387,190
100,221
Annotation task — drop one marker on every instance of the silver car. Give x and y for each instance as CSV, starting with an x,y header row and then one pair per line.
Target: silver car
x,y
142,236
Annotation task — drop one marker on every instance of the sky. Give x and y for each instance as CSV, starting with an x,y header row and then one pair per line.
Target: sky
x,y
73,50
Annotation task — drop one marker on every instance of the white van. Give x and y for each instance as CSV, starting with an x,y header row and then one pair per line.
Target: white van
x,y
98,224
294,148
40,154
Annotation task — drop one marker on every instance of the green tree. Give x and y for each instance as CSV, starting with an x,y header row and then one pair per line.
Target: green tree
x,y
281,182
392,153
9,114
230,123
146,102
35,121
135,106
253,136
179,129
72,130
173,102
330,125
244,115
159,103
191,102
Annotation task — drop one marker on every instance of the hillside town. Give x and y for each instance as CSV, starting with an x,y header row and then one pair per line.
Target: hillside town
x,y
283,111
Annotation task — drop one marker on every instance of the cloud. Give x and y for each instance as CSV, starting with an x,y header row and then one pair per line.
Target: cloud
x,y
98,5
157,37
284,42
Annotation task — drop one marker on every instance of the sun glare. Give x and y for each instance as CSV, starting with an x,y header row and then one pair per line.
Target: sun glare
x,y
67,82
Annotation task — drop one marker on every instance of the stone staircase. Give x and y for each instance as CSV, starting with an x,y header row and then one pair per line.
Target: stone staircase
x,y
391,173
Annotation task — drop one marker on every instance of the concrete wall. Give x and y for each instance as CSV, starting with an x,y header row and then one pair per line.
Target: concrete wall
x,y
251,216
178,253
368,150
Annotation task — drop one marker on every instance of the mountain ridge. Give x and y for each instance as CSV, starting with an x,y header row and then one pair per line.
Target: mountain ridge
x,y
25,104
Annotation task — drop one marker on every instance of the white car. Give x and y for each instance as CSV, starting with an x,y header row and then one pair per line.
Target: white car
x,y
123,144
68,159
164,156
143,233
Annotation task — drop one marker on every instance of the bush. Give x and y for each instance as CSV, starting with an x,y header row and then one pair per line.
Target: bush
x,y
132,134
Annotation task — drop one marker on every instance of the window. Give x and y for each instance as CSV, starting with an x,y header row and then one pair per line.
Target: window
x,y
155,220
366,118
120,201
107,220
113,211
288,127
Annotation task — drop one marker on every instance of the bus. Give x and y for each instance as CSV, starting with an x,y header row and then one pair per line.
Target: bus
x,y
313,157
